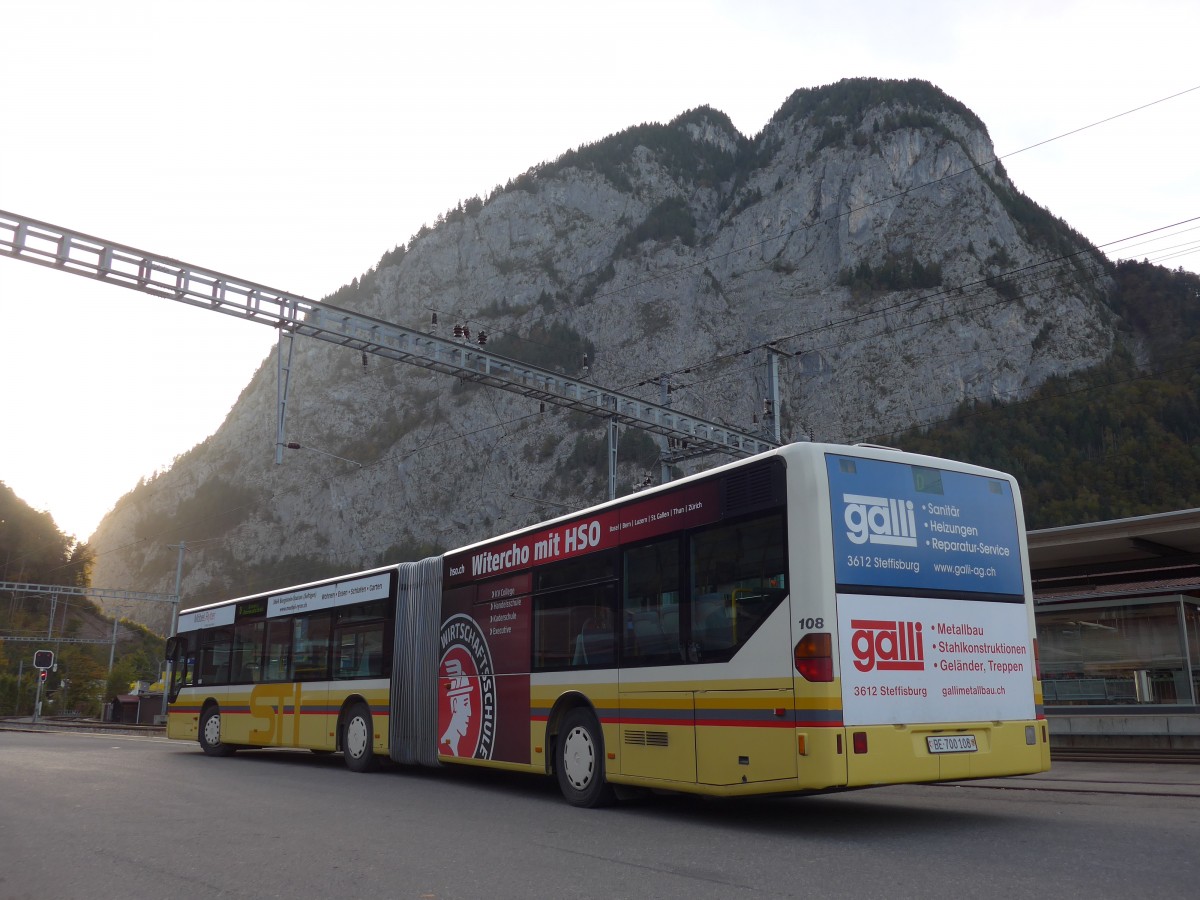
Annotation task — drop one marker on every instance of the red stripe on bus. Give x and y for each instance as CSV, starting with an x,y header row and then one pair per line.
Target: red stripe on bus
x,y
744,723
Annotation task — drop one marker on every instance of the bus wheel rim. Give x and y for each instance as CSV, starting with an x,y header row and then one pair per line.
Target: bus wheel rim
x,y
579,758
356,737
212,730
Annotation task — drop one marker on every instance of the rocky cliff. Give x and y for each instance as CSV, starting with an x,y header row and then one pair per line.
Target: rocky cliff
x,y
867,231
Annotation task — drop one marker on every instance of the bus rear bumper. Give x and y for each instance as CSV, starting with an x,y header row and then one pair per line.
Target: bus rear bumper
x,y
892,754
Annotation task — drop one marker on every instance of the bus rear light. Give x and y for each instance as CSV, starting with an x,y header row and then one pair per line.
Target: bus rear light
x,y
860,741
1030,735
814,656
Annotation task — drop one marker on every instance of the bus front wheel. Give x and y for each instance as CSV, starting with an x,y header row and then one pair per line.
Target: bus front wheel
x,y
579,761
358,742
210,733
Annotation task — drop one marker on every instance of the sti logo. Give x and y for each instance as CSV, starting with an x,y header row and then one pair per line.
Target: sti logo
x,y
887,645
880,520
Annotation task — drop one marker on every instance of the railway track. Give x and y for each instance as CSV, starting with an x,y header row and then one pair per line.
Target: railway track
x,y
71,723
1126,756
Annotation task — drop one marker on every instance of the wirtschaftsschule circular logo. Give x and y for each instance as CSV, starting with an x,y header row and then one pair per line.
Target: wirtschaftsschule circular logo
x,y
466,691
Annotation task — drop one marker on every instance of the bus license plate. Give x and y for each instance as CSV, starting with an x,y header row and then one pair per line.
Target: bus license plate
x,y
952,743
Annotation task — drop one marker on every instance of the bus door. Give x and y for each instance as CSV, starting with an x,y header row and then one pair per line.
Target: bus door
x,y
738,621
313,720
180,655
288,706
658,715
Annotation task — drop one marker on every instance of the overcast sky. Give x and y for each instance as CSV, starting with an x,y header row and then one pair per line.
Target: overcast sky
x,y
294,143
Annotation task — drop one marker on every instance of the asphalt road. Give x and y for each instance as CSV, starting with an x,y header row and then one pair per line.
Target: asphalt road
x,y
110,816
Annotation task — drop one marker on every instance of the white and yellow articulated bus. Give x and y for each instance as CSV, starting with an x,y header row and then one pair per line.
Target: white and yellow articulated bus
x,y
818,617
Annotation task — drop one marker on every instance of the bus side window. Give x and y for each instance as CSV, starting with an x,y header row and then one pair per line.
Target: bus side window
x,y
247,652
279,651
594,643
359,644
714,622
575,628
310,647
215,646
651,604
552,630
574,613
739,576
187,659
359,651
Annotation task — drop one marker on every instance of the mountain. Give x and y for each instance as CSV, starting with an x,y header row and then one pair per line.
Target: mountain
x,y
867,232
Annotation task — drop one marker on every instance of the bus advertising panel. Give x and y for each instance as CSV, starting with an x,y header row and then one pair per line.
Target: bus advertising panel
x,y
922,659
900,526
485,648
483,696
698,504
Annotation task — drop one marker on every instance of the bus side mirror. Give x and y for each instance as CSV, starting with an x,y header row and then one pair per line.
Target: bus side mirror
x,y
175,667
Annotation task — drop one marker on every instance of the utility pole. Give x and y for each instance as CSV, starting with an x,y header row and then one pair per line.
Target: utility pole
x,y
283,363
664,467
612,459
112,649
771,401
43,661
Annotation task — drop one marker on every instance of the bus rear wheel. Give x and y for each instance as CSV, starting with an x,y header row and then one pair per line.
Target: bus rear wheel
x,y
210,733
579,761
358,739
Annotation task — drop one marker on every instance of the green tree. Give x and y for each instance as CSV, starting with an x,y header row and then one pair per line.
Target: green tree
x,y
124,673
32,548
